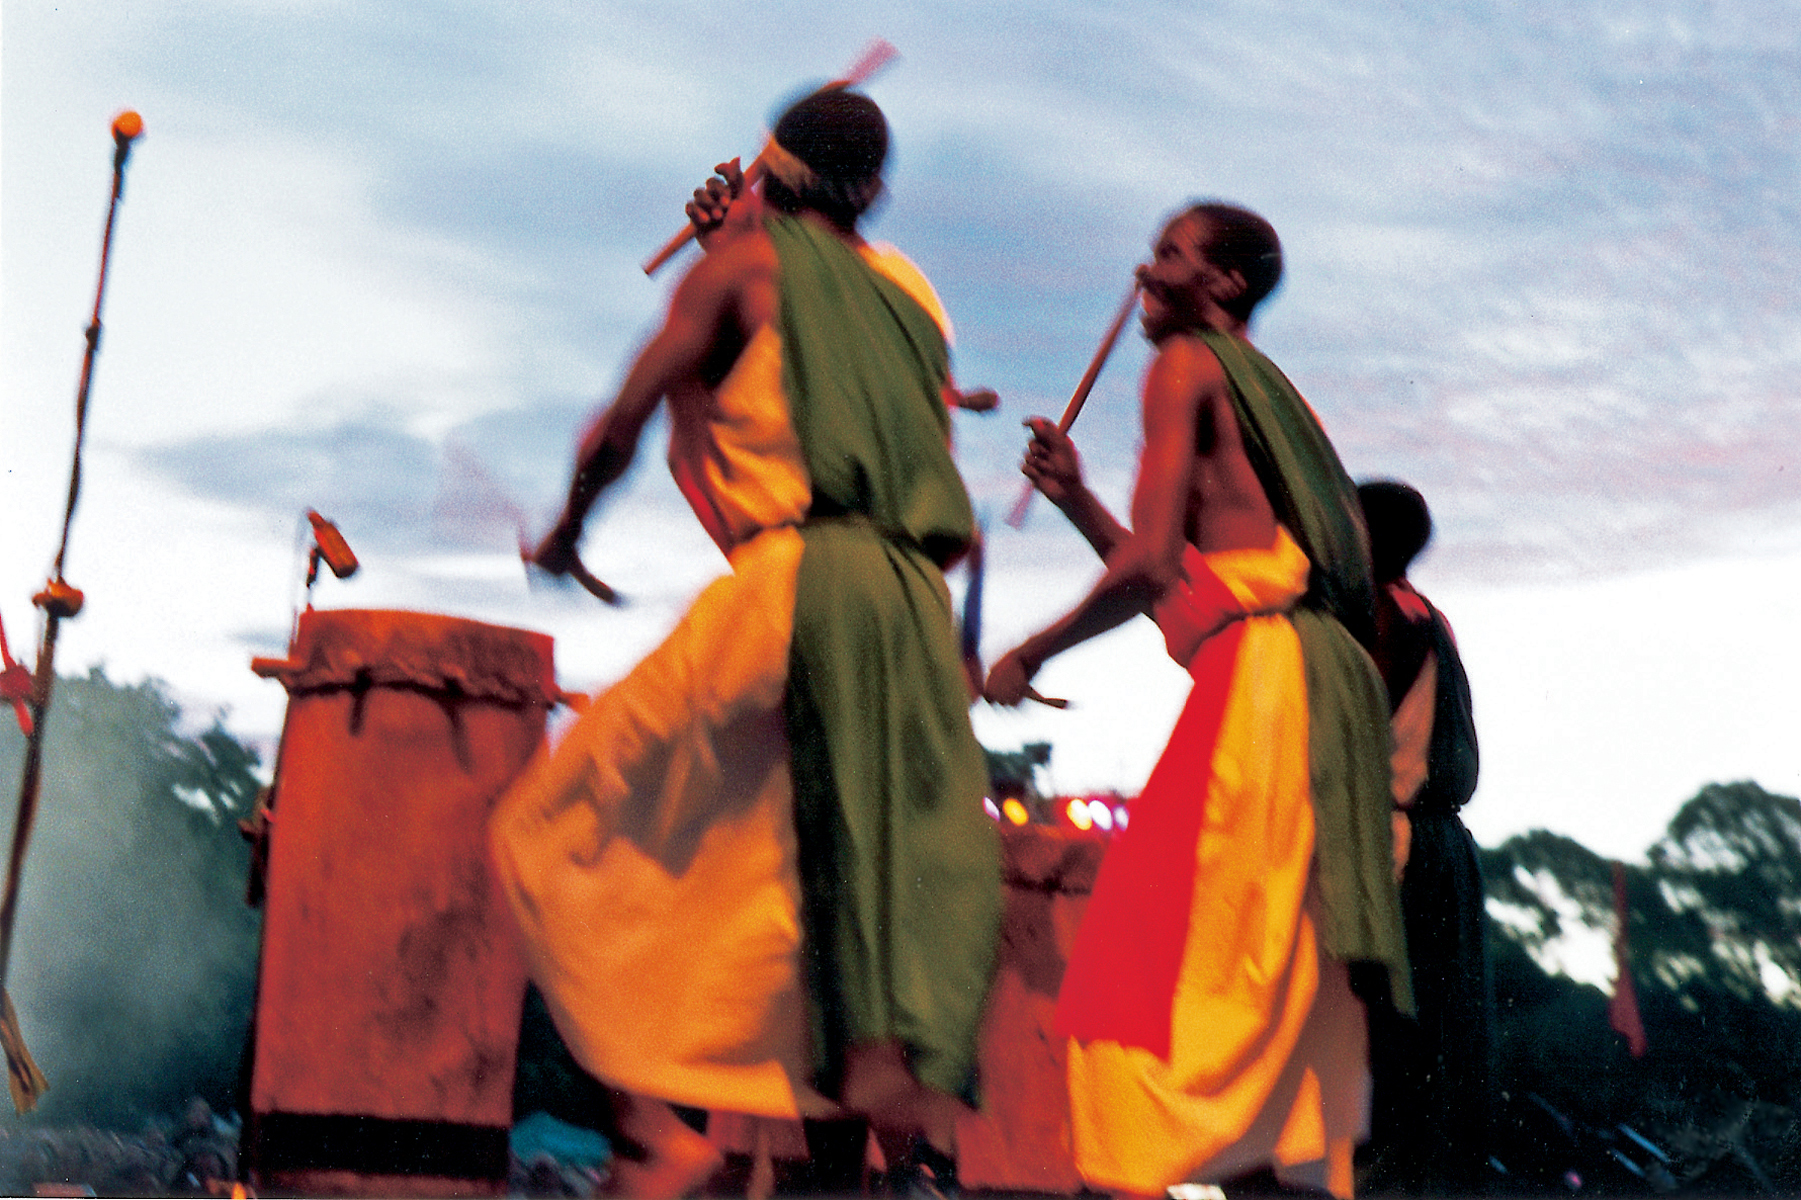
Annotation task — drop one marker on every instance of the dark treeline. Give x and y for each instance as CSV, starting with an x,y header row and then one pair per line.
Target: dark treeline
x,y
1715,936
135,959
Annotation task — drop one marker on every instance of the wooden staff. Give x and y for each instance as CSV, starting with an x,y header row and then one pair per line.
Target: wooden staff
x,y
60,601
1073,409
875,56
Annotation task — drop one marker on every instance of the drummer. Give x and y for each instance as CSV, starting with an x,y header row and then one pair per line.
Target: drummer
x,y
653,859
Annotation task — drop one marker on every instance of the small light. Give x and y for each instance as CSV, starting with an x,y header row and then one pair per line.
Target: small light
x,y
1100,814
989,808
1119,817
1079,815
1016,812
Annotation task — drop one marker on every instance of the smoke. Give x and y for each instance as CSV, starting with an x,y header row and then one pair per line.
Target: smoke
x,y
134,956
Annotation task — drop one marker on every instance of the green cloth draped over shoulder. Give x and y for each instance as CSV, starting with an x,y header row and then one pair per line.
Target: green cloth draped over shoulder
x,y
1348,742
899,863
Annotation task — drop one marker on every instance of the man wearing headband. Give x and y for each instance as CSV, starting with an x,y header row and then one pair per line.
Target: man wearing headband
x,y
1212,1028
756,875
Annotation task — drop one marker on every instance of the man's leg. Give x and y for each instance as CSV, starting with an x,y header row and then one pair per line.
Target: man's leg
x,y
879,1085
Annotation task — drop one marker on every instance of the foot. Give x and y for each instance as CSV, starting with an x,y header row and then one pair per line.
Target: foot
x,y
668,1173
880,1086
676,1161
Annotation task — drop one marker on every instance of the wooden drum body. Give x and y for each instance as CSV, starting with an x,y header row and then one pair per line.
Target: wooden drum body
x,y
390,984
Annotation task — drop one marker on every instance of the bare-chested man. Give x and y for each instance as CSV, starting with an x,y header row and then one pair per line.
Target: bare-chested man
x,y
1212,1027
756,875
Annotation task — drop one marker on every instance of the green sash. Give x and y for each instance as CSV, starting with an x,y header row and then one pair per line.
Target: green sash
x,y
899,864
864,367
1348,739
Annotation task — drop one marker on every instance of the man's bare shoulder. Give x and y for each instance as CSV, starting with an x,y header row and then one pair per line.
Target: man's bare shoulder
x,y
748,255
736,277
1184,371
1190,354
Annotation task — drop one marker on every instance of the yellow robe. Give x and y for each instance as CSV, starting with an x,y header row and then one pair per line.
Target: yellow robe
x,y
1267,1062
649,857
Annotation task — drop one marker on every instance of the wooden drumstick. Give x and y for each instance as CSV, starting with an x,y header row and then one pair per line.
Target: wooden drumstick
x,y
1073,409
590,584
875,56
577,572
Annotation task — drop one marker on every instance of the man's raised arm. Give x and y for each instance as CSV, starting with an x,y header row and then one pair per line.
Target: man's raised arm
x,y
1054,468
702,301
1149,558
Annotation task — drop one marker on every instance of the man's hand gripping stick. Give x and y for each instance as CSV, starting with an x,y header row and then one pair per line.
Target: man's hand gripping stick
x,y
1073,409
568,568
875,56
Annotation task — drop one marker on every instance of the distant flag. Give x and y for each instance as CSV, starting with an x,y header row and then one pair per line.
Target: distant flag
x,y
1622,1010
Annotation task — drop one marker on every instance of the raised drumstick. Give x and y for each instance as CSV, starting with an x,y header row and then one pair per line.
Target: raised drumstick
x,y
875,56
1017,516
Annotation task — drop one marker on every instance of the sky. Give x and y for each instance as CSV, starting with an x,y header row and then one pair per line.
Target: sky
x,y
383,261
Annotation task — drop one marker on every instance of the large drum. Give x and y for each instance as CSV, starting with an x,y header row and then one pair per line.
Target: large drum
x,y
1020,1140
390,985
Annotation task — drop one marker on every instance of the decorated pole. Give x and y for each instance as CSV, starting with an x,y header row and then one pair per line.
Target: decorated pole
x,y
59,600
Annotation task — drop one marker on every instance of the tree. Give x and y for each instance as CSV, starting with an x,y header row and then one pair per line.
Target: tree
x,y
135,954
1014,772
1715,930
1727,908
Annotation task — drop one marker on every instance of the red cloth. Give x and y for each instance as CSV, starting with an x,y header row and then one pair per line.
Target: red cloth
x,y
1622,1010
16,684
1412,605
1121,979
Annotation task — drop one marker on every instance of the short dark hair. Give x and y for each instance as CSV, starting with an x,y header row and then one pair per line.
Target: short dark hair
x,y
1400,525
843,137
1240,240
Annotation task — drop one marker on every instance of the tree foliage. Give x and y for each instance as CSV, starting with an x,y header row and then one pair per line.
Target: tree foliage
x,y
1722,905
1014,772
1714,927
134,960
135,954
